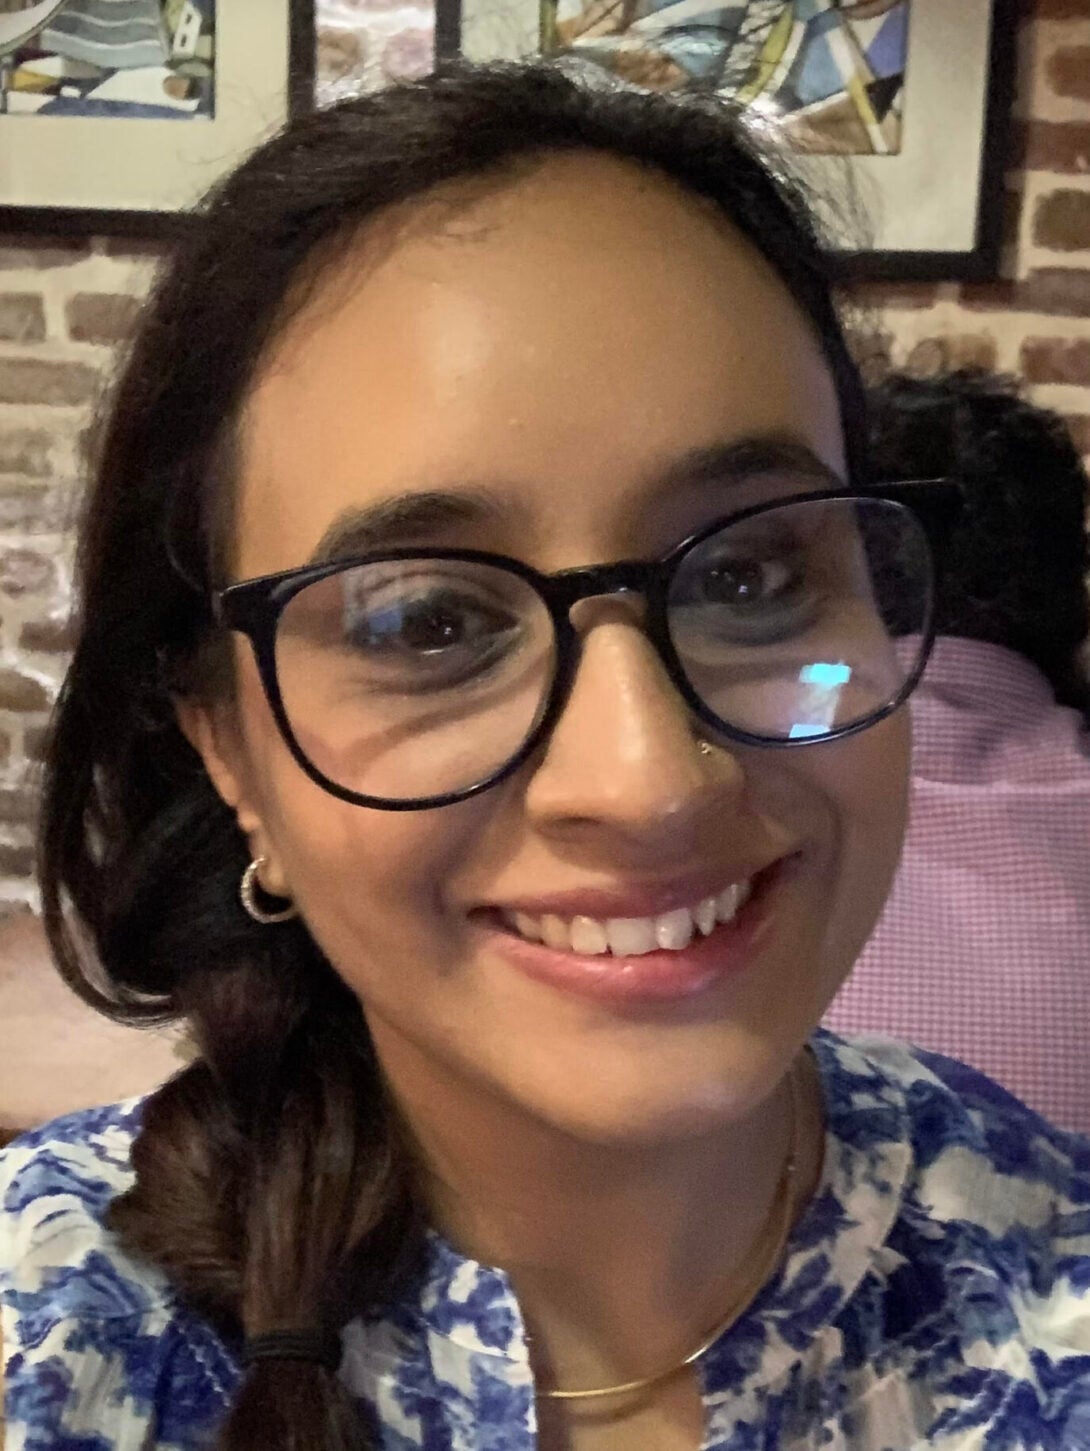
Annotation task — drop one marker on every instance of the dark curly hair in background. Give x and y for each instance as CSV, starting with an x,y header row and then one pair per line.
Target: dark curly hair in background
x,y
1015,568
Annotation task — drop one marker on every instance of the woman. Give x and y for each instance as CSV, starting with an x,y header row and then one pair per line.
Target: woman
x,y
483,735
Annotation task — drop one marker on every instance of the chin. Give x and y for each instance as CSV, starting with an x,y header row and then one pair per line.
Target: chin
x,y
644,1103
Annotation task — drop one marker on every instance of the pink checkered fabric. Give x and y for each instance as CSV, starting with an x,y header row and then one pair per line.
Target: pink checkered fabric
x,y
983,951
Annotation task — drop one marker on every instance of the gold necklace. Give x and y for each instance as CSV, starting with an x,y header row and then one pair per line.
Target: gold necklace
x,y
765,1256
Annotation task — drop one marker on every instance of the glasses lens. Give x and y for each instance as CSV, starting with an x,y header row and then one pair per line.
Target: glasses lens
x,y
412,678
787,623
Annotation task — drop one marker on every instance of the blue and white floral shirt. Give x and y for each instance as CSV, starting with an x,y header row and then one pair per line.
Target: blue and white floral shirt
x,y
935,1293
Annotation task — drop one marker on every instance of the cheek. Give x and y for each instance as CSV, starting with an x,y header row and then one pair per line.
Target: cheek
x,y
848,797
874,803
363,879
864,780
847,802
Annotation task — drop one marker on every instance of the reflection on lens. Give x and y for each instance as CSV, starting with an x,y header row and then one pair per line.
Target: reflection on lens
x,y
822,686
405,679
785,624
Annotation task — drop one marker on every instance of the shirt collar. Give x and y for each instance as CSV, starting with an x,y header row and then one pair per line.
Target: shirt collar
x,y
986,678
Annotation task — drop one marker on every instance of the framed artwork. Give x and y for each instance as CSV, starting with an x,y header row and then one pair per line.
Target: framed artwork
x,y
115,115
898,109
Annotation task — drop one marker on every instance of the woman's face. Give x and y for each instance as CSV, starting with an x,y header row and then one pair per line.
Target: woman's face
x,y
555,354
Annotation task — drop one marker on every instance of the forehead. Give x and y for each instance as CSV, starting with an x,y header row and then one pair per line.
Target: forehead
x,y
558,340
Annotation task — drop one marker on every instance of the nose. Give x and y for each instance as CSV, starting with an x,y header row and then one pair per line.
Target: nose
x,y
624,758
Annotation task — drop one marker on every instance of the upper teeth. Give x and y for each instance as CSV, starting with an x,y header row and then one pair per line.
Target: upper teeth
x,y
632,936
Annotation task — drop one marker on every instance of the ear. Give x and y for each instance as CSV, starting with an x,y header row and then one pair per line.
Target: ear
x,y
216,740
213,732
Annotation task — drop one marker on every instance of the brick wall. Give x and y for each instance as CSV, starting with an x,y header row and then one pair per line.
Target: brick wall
x,y
1035,321
65,307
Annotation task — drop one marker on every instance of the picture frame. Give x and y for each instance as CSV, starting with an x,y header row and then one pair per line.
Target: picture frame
x,y
926,84
124,137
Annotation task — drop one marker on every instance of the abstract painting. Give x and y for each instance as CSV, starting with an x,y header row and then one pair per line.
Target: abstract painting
x,y
119,58
831,72
897,111
92,91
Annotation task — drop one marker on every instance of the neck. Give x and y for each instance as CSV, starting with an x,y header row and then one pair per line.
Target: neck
x,y
623,1255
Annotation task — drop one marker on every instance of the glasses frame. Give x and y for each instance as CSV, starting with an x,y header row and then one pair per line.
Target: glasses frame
x,y
253,608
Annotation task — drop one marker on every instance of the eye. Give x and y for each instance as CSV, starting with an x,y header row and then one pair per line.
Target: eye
x,y
745,583
754,593
432,623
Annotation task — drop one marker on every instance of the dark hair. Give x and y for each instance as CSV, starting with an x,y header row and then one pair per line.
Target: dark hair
x,y
1015,566
270,1182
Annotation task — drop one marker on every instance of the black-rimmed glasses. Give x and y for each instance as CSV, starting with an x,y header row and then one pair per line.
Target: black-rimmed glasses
x,y
414,678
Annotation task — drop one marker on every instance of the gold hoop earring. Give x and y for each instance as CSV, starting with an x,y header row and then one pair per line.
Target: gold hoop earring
x,y
247,893
704,748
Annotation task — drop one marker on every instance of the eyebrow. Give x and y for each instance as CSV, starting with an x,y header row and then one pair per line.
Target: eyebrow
x,y
747,458
417,515
405,519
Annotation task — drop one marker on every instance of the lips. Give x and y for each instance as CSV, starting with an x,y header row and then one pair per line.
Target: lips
x,y
686,959
670,931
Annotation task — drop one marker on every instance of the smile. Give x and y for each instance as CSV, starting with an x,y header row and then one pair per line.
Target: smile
x,y
671,931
